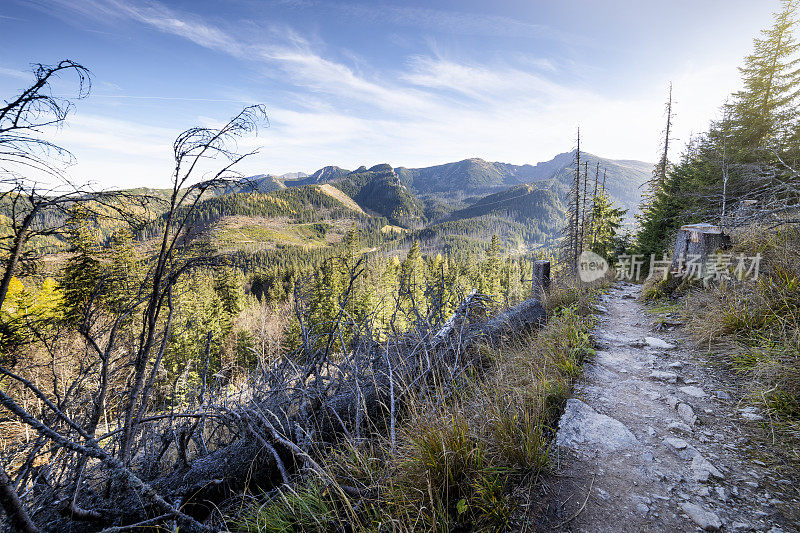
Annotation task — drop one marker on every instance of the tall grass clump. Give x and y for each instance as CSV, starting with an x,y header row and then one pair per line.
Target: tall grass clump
x,y
462,455
758,323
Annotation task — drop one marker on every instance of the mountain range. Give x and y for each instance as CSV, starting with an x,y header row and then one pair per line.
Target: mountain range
x,y
463,182
450,207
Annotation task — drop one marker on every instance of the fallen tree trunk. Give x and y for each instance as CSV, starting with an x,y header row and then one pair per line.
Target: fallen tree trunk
x,y
280,430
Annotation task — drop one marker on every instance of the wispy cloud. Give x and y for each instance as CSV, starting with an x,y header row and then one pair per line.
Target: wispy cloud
x,y
14,73
166,98
429,109
453,21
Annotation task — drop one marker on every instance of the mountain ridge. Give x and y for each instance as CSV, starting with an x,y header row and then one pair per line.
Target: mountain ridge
x,y
475,176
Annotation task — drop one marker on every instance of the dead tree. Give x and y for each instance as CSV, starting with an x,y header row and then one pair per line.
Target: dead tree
x,y
577,193
192,148
656,183
594,204
298,410
583,209
568,250
25,156
90,472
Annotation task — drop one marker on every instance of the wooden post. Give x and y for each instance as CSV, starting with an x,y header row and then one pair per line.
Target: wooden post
x,y
541,277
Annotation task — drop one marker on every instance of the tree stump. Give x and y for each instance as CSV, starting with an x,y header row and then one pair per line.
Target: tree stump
x,y
541,277
695,242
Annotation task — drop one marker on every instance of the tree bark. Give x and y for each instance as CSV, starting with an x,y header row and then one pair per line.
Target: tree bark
x,y
13,507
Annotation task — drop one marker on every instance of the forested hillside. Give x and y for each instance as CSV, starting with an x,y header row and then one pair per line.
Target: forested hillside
x,y
462,204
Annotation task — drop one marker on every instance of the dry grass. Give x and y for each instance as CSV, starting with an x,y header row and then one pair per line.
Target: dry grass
x,y
758,323
458,457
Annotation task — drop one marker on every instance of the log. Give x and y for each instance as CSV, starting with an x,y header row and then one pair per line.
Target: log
x,y
246,463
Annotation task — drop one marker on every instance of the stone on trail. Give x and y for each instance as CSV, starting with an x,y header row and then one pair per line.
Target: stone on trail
x,y
655,342
702,491
678,444
722,395
672,401
670,377
701,463
691,390
582,427
701,476
751,414
707,520
686,413
680,427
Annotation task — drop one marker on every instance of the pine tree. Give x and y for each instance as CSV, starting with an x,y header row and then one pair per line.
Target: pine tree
x,y
771,77
81,277
124,271
412,289
492,271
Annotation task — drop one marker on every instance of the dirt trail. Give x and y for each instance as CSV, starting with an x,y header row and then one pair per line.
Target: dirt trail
x,y
654,441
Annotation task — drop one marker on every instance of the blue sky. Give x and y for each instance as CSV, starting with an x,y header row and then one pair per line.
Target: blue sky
x,y
409,83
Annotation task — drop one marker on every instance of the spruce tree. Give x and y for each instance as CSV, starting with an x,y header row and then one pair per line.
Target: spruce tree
x,y
82,274
608,221
764,108
493,268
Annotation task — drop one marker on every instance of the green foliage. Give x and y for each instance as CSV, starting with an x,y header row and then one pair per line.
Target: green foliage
x,y
394,293
204,335
765,109
307,508
492,270
26,307
760,133
82,275
606,223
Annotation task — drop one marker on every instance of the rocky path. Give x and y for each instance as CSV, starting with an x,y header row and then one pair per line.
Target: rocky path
x,y
653,441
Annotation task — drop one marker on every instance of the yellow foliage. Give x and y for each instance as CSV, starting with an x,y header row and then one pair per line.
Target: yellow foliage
x,y
41,303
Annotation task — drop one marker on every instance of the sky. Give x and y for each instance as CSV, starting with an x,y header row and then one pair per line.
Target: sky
x,y
411,83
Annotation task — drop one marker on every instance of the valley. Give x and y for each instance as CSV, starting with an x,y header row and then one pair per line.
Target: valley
x,y
450,207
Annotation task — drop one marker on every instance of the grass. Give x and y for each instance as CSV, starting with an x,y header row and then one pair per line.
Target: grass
x,y
459,458
236,232
757,323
